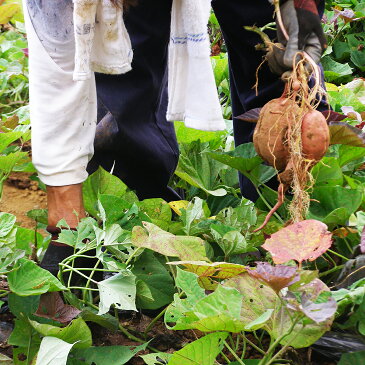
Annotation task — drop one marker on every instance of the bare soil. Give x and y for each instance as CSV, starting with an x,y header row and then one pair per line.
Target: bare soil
x,y
21,194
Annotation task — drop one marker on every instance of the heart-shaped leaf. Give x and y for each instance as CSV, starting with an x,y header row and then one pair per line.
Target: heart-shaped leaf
x,y
300,241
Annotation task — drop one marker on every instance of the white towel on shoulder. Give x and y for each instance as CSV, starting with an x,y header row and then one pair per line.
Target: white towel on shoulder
x,y
103,45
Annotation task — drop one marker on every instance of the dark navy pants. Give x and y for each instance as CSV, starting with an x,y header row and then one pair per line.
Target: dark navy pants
x,y
140,141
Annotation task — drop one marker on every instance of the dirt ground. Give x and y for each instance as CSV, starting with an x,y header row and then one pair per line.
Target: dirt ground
x,y
21,194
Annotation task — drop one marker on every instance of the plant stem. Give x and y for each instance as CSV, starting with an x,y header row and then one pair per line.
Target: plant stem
x,y
225,357
233,353
261,351
133,255
79,272
339,267
266,359
244,347
82,288
338,254
152,323
90,277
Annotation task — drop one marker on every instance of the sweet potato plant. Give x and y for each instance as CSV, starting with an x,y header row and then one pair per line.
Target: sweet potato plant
x,y
200,281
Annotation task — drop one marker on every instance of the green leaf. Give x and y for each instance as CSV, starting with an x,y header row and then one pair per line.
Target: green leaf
x,y
230,240
348,154
9,259
101,182
245,159
7,222
25,238
22,333
119,290
353,358
203,351
7,163
23,306
306,332
115,207
334,71
196,210
53,351
242,217
341,49
30,279
39,215
156,209
260,321
110,355
106,320
196,168
358,58
153,359
7,138
150,271
334,204
327,172
188,135
77,332
257,297
167,244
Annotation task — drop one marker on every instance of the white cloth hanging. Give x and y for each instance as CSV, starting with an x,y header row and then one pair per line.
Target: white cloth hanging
x,y
103,45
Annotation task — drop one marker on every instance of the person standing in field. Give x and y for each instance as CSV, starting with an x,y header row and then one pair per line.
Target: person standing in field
x,y
141,145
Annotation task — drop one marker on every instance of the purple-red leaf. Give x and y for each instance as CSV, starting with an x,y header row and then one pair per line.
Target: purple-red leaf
x,y
343,133
332,116
51,306
300,241
318,312
278,277
250,116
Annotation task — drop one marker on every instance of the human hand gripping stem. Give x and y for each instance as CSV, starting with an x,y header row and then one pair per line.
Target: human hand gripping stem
x,y
299,29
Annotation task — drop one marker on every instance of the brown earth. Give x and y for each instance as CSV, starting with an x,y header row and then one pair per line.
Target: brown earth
x,y
21,194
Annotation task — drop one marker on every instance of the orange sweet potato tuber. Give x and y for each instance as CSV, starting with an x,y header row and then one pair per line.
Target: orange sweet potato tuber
x,y
275,122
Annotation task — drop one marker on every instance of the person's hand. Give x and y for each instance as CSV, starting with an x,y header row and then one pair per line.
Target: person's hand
x,y
302,32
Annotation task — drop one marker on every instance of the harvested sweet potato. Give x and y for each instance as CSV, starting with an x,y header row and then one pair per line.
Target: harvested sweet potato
x,y
315,135
271,132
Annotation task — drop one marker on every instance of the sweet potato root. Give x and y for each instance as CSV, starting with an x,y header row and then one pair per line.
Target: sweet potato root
x,y
275,122
315,135
271,132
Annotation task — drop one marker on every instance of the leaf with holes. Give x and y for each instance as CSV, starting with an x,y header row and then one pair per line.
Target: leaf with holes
x,y
219,311
278,277
301,241
257,297
119,290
